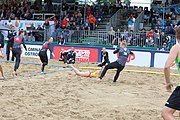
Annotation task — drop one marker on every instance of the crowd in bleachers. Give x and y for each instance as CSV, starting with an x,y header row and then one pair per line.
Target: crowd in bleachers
x,y
81,17
17,10
151,38
77,20
165,21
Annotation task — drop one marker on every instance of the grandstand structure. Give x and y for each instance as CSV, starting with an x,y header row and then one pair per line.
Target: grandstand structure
x,y
100,24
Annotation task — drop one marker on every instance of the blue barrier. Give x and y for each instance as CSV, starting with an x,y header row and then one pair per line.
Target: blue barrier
x,y
150,53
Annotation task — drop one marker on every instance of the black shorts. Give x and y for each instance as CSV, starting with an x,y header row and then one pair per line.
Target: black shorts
x,y
43,57
174,100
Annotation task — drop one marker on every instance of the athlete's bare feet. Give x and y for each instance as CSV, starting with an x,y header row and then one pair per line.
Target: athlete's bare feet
x,y
14,73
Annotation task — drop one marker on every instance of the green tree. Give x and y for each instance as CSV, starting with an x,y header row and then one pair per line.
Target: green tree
x,y
105,1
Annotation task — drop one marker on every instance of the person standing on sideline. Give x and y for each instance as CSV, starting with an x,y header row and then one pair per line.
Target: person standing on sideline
x,y
173,103
43,53
1,43
17,50
119,64
10,42
104,58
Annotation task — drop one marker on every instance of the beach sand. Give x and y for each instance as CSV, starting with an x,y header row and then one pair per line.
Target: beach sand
x,y
62,95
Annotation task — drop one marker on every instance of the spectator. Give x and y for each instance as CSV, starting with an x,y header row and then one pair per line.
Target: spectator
x,y
164,48
32,32
46,28
46,24
131,38
159,26
88,11
92,21
150,42
9,23
27,15
124,35
163,39
173,28
87,25
150,34
63,56
64,8
49,5
18,14
71,21
150,38
157,38
111,34
117,39
65,23
166,15
8,13
155,17
71,56
73,27
3,14
81,24
131,21
98,17
22,15
143,37
168,24
61,40
39,33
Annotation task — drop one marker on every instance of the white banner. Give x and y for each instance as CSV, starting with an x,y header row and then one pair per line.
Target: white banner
x,y
23,24
160,59
140,58
33,51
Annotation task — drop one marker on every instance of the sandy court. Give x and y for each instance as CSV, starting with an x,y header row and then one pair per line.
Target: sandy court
x,y
61,95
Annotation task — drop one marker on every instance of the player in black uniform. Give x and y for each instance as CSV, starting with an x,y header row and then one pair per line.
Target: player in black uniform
x,y
63,56
10,43
43,53
17,50
120,63
71,56
104,58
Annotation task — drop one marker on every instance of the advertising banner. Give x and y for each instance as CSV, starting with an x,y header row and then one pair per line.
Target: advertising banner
x,y
24,24
139,58
82,54
160,59
33,51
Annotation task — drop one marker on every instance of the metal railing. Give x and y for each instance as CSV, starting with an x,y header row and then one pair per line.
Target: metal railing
x,y
139,22
114,38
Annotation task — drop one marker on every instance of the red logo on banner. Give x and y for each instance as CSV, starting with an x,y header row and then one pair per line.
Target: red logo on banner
x,y
82,54
130,57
